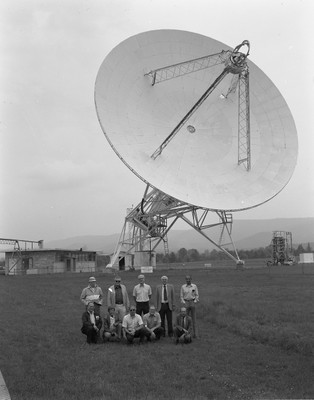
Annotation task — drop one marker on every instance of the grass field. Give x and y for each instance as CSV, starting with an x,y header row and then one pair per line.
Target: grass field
x,y
255,340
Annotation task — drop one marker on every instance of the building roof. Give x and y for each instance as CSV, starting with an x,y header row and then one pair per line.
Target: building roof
x,y
52,250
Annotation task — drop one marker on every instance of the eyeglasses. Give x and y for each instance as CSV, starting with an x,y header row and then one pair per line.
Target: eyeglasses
x,y
118,281
132,309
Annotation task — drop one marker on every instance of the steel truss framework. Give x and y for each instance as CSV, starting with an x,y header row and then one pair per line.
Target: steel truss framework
x,y
235,63
147,225
282,247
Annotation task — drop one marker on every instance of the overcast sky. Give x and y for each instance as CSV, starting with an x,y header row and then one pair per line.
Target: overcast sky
x,y
59,176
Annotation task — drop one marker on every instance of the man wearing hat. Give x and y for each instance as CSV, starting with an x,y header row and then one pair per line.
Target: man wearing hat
x,y
142,294
92,293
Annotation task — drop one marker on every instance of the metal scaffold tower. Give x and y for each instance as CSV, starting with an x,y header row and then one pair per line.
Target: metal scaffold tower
x,y
282,248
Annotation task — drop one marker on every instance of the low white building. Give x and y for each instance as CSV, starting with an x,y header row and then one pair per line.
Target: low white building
x,y
306,258
49,261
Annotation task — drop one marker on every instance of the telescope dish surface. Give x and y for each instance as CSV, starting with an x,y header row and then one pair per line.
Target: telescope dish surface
x,y
200,164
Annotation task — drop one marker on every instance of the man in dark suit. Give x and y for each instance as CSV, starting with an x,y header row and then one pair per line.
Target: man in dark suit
x,y
183,327
165,303
91,324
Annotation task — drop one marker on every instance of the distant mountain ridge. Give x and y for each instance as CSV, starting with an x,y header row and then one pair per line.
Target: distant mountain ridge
x,y
246,234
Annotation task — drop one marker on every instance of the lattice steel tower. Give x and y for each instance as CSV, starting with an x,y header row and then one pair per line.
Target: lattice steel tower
x,y
281,247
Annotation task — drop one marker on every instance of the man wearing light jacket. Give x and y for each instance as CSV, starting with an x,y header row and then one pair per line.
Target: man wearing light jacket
x,y
118,298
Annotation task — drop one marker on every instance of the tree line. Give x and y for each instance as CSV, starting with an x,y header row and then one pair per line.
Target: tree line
x,y
189,255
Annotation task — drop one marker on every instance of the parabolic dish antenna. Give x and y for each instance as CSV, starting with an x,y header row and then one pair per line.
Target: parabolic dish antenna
x,y
201,164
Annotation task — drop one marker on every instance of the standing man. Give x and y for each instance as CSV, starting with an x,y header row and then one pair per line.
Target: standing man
x,y
91,324
189,297
92,293
118,298
152,323
133,327
142,294
165,303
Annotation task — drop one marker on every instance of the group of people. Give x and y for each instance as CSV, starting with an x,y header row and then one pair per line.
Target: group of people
x,y
141,318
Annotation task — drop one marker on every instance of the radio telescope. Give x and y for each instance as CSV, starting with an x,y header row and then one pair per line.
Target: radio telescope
x,y
201,125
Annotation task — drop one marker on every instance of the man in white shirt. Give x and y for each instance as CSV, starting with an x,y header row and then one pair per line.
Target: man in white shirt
x,y
133,327
142,294
189,297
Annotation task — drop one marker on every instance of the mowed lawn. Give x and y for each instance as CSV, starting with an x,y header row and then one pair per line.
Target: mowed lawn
x,y
255,340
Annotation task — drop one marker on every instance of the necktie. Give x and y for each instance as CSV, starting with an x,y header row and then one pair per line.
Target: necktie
x,y
165,293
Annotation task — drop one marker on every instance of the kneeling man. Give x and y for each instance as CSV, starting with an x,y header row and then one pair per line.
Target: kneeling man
x,y
152,323
183,327
112,326
91,324
133,327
